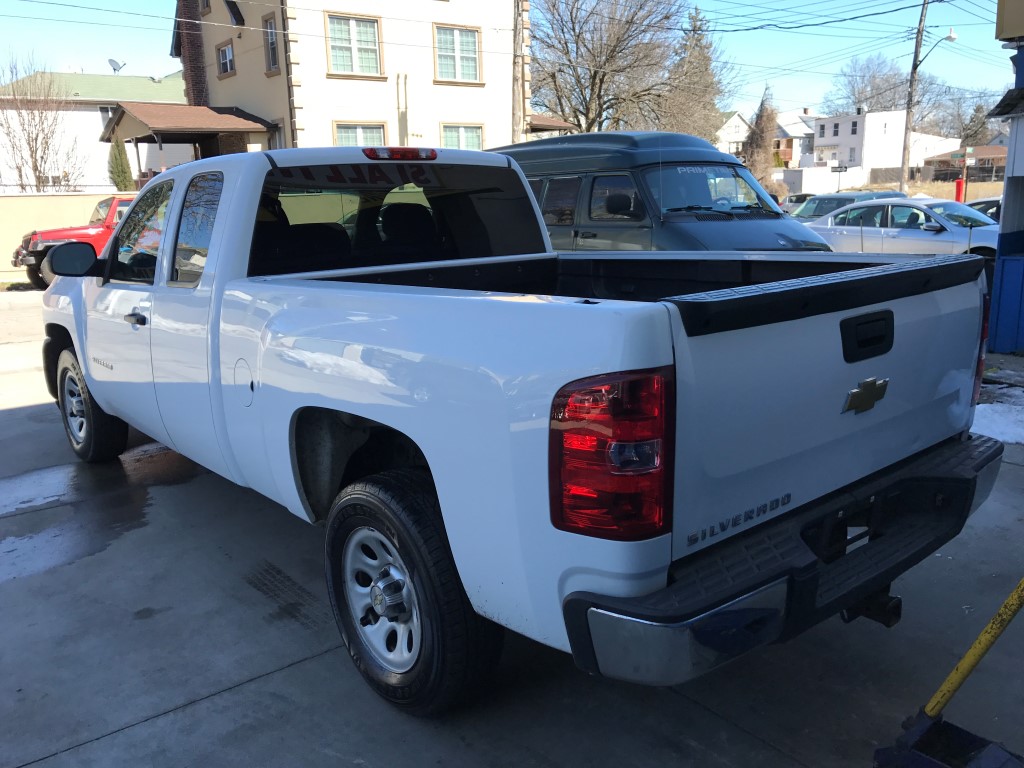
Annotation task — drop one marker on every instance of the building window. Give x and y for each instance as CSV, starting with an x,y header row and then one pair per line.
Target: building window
x,y
821,131
348,135
853,154
458,54
853,128
462,136
835,129
225,60
204,7
270,48
835,156
354,46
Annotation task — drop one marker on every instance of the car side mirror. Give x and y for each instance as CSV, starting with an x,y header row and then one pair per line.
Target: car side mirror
x,y
933,226
74,260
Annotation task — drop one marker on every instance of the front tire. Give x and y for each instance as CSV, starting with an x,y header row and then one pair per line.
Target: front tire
x,y
34,277
93,433
397,597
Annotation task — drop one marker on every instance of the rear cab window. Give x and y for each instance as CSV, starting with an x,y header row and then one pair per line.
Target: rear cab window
x,y
314,218
198,215
560,200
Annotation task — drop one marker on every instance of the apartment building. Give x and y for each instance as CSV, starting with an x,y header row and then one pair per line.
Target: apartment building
x,y
340,72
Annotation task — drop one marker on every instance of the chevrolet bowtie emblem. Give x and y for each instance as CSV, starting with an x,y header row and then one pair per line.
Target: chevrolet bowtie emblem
x,y
864,397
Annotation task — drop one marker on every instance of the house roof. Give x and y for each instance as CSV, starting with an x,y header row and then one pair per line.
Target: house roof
x,y
181,123
546,123
980,151
110,88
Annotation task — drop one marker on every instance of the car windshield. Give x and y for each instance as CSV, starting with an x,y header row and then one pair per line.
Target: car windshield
x,y
817,207
99,213
725,188
960,214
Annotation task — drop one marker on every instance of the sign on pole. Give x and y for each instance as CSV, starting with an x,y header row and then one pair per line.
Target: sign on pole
x,y
839,169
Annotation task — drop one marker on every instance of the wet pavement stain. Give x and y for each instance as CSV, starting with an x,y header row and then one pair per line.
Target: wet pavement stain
x,y
57,516
294,602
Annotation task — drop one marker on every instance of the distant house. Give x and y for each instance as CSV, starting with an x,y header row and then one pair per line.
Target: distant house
x,y
873,142
794,141
989,163
87,104
733,133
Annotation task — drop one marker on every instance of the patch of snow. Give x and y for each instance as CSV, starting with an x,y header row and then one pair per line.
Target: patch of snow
x,y
1002,421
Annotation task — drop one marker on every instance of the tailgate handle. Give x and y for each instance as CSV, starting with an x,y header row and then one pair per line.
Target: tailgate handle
x,y
866,336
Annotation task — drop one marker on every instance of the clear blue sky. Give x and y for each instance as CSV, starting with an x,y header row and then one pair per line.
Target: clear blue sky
x,y
798,63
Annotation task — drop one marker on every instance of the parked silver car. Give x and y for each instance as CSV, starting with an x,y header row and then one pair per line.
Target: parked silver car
x,y
990,206
910,225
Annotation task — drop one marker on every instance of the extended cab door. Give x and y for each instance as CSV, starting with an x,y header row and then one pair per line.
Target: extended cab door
x,y
182,311
614,218
119,316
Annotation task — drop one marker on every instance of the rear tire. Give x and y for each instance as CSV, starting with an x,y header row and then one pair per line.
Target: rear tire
x,y
93,433
397,597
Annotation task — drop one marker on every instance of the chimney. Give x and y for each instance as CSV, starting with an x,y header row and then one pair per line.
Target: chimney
x,y
190,32
807,110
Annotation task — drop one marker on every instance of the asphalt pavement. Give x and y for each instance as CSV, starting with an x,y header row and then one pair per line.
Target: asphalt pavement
x,y
154,614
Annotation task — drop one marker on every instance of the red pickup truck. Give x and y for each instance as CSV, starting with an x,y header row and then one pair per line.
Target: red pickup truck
x,y
35,245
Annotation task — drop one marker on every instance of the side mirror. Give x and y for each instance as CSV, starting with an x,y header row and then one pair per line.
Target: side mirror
x,y
74,260
933,226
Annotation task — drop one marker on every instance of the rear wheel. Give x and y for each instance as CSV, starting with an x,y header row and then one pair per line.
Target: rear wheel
x,y
397,597
94,434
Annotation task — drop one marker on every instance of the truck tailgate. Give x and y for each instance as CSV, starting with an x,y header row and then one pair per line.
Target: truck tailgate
x,y
790,390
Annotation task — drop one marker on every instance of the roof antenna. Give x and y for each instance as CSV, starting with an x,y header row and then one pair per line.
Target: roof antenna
x,y
115,66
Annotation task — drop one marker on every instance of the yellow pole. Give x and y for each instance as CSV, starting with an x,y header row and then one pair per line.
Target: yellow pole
x,y
976,652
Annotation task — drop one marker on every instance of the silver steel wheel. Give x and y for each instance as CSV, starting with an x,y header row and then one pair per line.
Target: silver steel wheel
x,y
381,599
74,409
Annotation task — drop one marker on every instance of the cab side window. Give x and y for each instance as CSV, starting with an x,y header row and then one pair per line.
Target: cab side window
x,y
907,217
138,240
537,187
560,198
197,218
614,198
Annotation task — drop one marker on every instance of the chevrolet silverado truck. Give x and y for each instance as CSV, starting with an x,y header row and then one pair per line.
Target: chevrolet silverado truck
x,y
655,461
31,254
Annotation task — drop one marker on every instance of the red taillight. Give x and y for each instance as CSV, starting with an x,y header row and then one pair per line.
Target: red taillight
x,y
611,439
979,372
400,153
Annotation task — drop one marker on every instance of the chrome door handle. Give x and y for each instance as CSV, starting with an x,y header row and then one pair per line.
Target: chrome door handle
x,y
135,318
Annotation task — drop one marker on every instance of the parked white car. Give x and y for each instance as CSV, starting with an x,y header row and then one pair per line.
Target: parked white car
x,y
908,225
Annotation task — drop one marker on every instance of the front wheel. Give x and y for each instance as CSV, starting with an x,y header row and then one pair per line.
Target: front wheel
x,y
93,433
34,277
397,597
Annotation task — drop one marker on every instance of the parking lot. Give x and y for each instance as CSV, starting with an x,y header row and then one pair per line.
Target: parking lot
x,y
153,613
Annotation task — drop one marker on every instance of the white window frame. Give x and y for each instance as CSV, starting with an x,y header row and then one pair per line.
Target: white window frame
x,y
226,61
459,56
271,44
353,46
360,141
462,127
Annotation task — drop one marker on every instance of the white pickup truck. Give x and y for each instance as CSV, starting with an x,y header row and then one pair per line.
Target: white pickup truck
x,y
654,461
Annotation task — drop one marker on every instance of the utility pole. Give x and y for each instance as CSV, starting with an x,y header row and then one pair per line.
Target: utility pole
x,y
518,91
914,64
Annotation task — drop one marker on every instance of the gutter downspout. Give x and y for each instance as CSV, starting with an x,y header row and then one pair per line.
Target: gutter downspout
x,y
288,74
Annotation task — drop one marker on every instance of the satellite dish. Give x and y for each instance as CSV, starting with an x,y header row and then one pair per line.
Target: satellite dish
x,y
115,66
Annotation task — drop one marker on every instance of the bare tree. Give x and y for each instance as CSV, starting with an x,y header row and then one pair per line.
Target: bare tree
x,y
963,114
602,64
877,84
699,81
33,113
